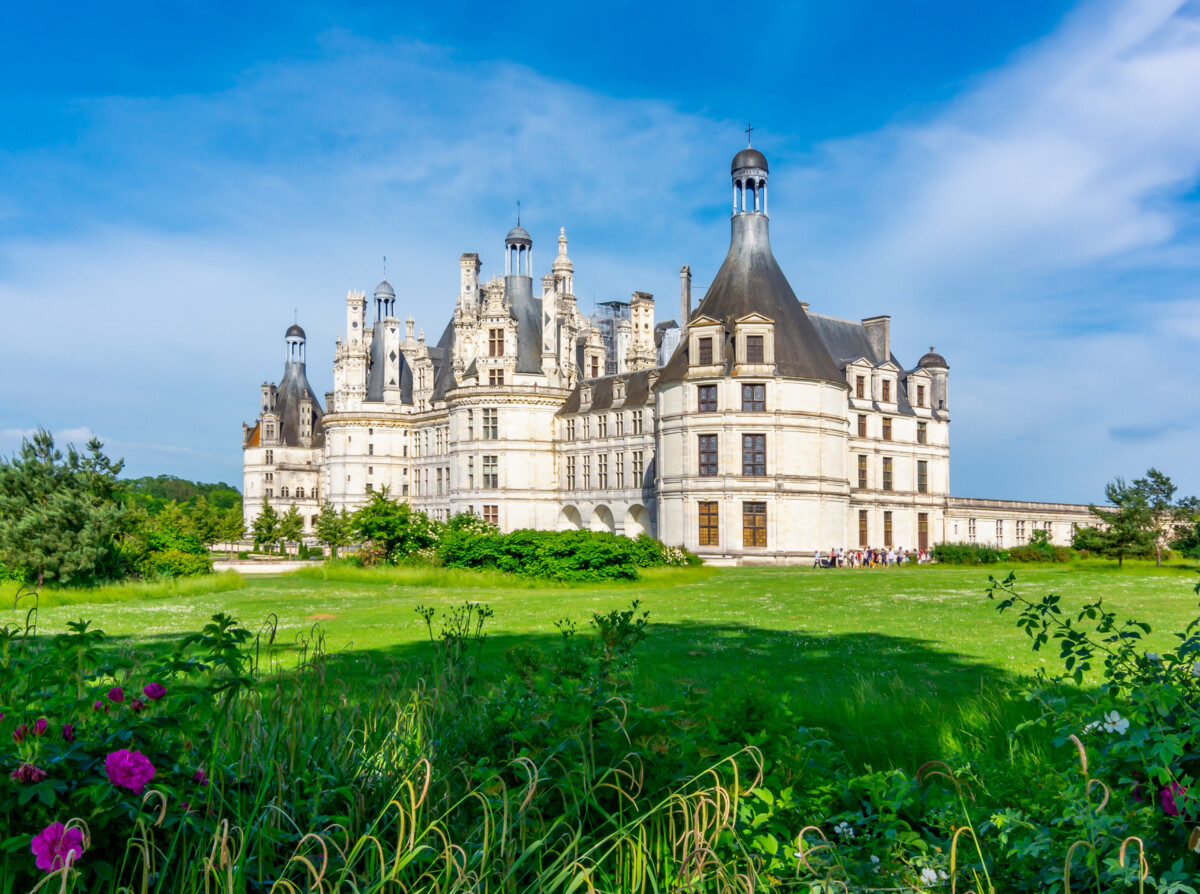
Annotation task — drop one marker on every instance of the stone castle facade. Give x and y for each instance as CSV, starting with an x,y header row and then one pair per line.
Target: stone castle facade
x,y
753,429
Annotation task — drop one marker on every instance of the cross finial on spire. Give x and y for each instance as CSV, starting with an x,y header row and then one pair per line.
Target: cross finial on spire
x,y
748,129
385,266
518,212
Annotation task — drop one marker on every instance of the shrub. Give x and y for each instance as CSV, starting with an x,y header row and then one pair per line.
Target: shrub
x,y
968,554
1034,553
176,563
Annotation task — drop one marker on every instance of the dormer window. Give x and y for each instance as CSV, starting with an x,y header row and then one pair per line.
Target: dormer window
x,y
920,395
595,367
270,457
754,349
495,342
706,352
887,391
860,387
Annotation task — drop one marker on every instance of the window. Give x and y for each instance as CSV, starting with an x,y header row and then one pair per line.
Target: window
x,y
708,456
570,473
495,342
922,476
754,524
887,529
491,471
270,432
706,357
370,487
370,450
470,425
404,490
710,525
491,514
595,367
920,395
754,456
638,468
620,470
283,492
754,398
887,391
862,470
269,476
270,492
754,349
570,429
860,387
620,417
922,433
587,427
495,377
922,531
587,472
471,473
602,471
491,425
439,482
707,398
299,493
999,532
1020,531
602,425
862,425
887,473
887,428
862,527
971,529
637,422
269,459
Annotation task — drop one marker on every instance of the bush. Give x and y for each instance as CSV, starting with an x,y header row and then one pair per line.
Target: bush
x,y
968,554
176,563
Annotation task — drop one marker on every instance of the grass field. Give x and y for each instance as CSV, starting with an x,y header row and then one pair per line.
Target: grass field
x,y
901,665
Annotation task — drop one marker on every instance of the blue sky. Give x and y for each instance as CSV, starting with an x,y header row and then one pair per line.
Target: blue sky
x,y
1014,182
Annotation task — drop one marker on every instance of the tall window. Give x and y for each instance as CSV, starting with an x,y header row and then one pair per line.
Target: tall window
x,y
587,472
570,473
570,429
620,424
471,473
887,428
495,377
887,529
707,398
283,492
491,425
639,468
922,433
754,398
637,422
862,527
491,514
754,456
971,529
999,532
495,342
587,427
920,395
887,391
887,473
754,524
860,387
269,492
862,470
862,425
595,367
708,456
439,482
754,349
922,531
706,357
1020,529
471,425
620,470
269,457
710,524
491,471
370,450
922,476
602,471
602,425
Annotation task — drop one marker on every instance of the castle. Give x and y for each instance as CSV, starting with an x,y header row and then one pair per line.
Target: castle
x,y
753,429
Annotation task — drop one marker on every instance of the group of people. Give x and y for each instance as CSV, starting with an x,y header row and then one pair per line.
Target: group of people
x,y
868,557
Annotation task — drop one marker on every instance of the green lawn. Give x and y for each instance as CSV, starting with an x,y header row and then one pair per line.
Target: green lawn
x,y
903,664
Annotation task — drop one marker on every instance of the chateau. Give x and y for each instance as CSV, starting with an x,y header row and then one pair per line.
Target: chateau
x,y
751,429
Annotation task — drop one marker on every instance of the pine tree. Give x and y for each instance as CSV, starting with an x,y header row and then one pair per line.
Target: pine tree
x,y
204,521
1127,527
266,526
233,526
291,526
1158,491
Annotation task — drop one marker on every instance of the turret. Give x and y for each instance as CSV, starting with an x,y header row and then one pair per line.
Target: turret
x,y
641,319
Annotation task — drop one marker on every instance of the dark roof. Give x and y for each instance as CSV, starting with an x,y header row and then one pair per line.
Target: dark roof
x,y
637,392
750,281
518,235
375,377
294,330
385,289
748,158
845,340
932,359
291,391
527,311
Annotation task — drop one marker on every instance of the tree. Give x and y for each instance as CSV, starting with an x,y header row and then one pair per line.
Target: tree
x,y
393,525
233,526
60,516
204,521
333,528
1128,526
291,525
266,526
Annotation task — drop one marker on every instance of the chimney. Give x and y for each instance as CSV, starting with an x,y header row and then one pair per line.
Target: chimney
x,y
878,332
685,295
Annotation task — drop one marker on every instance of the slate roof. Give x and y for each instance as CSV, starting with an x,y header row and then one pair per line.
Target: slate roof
x,y
291,391
637,393
375,378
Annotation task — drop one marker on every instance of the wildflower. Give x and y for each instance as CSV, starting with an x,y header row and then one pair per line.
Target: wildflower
x,y
57,846
136,705
20,733
129,769
154,691
1115,723
97,705
1171,806
68,732
40,725
200,777
929,876
844,829
874,863
28,773
116,694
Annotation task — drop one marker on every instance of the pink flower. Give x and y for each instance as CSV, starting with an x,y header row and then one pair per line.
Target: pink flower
x,y
129,769
40,725
68,732
57,846
200,777
28,773
116,694
1172,807
20,733
97,705
154,691
136,705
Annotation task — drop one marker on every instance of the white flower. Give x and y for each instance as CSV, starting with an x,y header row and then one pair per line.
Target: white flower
x,y
1196,669
928,876
844,829
1115,723
874,863
942,874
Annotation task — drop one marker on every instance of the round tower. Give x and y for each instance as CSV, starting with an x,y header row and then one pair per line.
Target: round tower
x,y
518,252
385,301
749,172
294,344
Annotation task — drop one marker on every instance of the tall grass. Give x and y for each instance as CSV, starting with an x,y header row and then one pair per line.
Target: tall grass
x,y
123,591
467,579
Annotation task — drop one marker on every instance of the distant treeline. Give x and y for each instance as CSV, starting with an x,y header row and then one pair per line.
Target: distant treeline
x,y
155,494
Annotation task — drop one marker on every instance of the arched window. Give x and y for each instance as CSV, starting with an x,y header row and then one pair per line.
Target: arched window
x,y
283,492
299,493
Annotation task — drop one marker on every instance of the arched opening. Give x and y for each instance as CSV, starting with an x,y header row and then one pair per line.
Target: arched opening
x,y
637,521
602,519
569,519
752,199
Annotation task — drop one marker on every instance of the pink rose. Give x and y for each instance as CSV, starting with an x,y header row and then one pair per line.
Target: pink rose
x,y
136,705
200,777
1171,806
39,726
116,694
57,846
97,705
28,773
154,691
68,732
129,769
20,733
